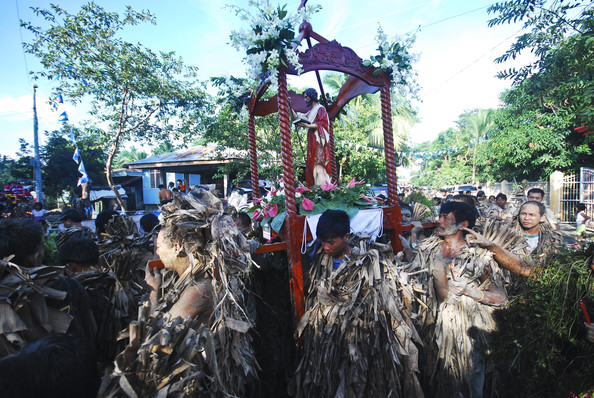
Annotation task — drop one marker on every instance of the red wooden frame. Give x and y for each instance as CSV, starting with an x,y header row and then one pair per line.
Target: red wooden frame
x,y
325,55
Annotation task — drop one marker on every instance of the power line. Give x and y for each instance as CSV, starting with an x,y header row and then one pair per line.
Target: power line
x,y
22,41
474,62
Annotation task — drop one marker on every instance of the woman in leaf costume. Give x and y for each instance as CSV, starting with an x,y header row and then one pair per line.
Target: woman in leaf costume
x,y
208,352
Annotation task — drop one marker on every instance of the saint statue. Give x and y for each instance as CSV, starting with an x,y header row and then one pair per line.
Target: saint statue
x,y
318,167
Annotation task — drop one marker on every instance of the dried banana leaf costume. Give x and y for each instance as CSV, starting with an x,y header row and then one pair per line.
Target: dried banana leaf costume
x,y
357,332
190,357
549,239
455,331
25,315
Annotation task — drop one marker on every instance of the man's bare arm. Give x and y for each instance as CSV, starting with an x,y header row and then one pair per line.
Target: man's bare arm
x,y
504,257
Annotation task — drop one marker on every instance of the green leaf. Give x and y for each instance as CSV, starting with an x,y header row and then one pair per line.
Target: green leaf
x,y
277,222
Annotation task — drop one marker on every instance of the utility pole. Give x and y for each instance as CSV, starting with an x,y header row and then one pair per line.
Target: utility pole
x,y
37,166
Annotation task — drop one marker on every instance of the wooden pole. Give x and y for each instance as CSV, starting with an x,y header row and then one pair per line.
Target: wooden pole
x,y
291,224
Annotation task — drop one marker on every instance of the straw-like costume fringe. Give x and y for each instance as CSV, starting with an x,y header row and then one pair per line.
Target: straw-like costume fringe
x,y
194,356
455,332
420,212
24,313
357,333
113,308
74,232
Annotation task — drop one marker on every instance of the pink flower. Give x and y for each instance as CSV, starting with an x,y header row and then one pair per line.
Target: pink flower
x,y
273,210
367,199
265,211
302,188
256,214
273,192
257,200
307,204
352,183
328,187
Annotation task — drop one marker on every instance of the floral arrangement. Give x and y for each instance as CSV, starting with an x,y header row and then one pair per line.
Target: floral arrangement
x,y
396,59
315,200
269,41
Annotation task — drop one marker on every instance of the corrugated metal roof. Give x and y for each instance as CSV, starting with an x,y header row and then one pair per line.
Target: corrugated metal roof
x,y
193,154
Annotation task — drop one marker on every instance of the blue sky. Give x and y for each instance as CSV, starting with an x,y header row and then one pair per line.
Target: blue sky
x,y
456,69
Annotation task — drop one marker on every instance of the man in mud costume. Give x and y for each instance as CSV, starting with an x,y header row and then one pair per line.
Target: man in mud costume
x,y
464,285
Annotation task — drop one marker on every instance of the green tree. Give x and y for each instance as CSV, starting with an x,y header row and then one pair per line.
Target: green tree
x,y
128,156
359,132
478,124
561,37
133,92
163,148
60,171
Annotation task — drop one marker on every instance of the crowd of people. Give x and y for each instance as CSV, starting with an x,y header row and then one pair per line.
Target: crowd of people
x,y
182,306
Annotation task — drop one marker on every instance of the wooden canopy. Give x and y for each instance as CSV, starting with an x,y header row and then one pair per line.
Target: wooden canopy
x,y
324,55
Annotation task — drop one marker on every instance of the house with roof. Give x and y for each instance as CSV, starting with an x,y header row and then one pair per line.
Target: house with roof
x,y
197,165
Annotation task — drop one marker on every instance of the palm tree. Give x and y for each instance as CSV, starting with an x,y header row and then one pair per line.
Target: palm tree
x,y
403,117
128,156
479,124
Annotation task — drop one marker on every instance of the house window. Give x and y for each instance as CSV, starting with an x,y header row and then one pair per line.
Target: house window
x,y
155,178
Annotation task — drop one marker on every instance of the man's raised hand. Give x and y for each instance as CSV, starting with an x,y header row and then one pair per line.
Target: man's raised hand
x,y
474,237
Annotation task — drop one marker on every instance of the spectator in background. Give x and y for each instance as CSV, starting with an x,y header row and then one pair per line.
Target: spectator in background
x,y
72,221
23,239
580,221
538,195
148,222
381,199
502,209
103,219
436,205
38,213
165,195
181,186
79,254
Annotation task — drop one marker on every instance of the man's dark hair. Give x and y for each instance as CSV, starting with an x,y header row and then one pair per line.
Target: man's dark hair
x,y
461,211
54,366
541,208
180,181
71,214
244,219
502,196
333,224
103,219
405,206
311,93
580,207
536,190
21,237
469,200
481,194
82,251
148,222
161,186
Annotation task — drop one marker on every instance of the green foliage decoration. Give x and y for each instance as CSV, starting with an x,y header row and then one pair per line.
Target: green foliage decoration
x,y
539,349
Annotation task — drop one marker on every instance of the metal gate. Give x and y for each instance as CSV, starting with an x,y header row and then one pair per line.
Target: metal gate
x,y
577,190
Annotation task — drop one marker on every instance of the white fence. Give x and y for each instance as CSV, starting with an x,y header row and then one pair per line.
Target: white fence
x,y
577,189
